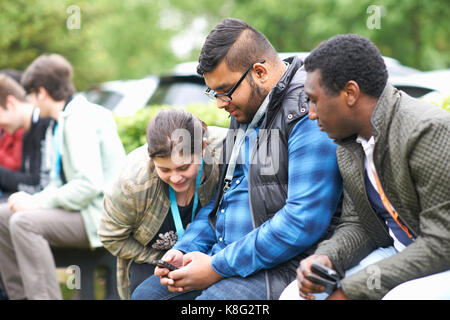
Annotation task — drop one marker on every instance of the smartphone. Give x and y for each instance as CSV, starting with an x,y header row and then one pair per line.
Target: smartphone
x,y
330,286
325,272
164,264
324,276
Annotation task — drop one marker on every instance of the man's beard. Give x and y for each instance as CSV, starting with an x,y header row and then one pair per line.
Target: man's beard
x,y
257,96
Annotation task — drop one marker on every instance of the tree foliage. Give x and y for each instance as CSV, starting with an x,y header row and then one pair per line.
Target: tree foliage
x,y
412,31
133,38
115,39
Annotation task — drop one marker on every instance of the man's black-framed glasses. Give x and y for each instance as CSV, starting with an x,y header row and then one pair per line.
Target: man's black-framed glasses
x,y
227,96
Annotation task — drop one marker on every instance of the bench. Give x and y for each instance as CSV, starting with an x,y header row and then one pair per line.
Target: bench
x,y
86,262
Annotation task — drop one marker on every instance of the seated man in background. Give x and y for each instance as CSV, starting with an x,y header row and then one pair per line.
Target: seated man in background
x,y
16,114
87,154
10,145
393,240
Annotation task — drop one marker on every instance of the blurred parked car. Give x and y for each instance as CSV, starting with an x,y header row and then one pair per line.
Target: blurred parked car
x,y
124,97
424,83
183,86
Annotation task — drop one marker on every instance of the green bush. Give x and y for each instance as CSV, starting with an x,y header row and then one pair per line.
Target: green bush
x,y
446,103
132,129
439,99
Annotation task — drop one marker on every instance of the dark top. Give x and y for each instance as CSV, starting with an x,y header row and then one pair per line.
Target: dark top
x,y
378,207
166,238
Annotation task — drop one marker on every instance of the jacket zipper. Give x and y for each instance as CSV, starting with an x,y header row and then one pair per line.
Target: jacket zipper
x,y
266,272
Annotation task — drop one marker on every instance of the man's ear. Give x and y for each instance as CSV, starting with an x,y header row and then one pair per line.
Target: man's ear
x,y
11,102
42,93
261,72
352,92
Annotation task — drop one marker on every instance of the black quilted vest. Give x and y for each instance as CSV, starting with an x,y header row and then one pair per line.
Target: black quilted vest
x,y
268,176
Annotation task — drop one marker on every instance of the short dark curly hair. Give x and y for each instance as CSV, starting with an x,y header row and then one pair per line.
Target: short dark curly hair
x,y
349,57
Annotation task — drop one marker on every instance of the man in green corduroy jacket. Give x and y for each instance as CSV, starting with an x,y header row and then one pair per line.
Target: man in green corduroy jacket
x,y
393,240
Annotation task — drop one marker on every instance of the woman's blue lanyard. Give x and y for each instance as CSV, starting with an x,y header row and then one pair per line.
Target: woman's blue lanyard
x,y
174,205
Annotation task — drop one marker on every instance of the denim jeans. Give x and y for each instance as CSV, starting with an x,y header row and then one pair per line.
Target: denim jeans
x,y
234,288
139,272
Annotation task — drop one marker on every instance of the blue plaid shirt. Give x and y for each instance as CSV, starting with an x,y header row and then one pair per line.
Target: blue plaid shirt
x,y
315,186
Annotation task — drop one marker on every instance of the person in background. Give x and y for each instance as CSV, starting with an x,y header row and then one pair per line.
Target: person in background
x,y
11,145
393,240
87,154
140,215
12,73
18,115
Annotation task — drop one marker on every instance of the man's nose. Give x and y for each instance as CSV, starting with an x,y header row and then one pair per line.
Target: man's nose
x,y
222,104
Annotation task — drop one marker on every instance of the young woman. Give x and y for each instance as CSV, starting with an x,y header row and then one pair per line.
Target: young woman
x,y
159,191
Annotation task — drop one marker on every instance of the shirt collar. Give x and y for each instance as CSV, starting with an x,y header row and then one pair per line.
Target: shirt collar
x,y
366,143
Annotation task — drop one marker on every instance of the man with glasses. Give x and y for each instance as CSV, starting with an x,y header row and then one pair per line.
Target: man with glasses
x,y
280,184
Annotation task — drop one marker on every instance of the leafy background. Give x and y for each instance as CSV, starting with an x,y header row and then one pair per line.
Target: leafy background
x,y
130,39
134,38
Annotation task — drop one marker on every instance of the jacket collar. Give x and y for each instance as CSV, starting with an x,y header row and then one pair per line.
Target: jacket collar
x,y
383,113
279,90
77,99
